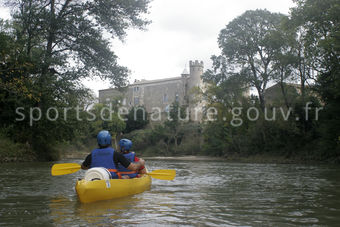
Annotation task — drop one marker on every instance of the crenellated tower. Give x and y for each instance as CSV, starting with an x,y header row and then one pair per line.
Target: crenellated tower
x,y
196,71
194,80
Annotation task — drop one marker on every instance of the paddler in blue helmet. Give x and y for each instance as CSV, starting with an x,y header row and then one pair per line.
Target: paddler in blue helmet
x,y
105,156
125,146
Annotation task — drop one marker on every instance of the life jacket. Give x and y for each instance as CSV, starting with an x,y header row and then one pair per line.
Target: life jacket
x,y
104,158
124,171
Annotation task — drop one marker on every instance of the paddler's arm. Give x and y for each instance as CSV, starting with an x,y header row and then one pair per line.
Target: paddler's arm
x,y
87,163
135,166
141,170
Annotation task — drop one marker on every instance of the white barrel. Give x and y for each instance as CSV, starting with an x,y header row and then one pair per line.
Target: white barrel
x,y
97,173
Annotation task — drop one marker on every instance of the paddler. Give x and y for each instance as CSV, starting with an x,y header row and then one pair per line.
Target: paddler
x,y
125,146
105,156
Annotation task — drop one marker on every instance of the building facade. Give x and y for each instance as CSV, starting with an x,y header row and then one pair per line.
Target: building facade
x,y
158,95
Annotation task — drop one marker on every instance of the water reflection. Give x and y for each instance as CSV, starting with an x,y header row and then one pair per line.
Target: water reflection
x,y
128,210
63,210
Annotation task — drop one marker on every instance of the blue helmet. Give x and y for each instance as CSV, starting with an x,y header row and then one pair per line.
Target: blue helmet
x,y
125,144
104,138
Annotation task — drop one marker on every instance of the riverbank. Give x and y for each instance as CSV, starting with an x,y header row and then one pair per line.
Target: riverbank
x,y
231,158
235,158
186,158
15,152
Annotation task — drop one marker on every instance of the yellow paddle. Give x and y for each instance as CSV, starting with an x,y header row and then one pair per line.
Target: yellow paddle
x,y
163,174
68,168
64,168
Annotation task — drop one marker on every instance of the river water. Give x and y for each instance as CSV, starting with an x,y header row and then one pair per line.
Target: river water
x,y
204,193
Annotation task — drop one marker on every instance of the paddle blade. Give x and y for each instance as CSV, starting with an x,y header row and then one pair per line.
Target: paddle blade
x,y
64,168
163,174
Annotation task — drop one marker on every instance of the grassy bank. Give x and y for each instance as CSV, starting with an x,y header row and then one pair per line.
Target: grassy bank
x,y
267,158
76,150
15,152
11,151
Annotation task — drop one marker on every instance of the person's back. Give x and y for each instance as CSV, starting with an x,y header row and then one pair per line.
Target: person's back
x,y
105,156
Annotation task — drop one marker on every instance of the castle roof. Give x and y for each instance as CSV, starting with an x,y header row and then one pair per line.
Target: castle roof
x,y
142,82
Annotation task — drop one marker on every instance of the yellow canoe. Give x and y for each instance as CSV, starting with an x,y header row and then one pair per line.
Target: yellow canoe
x,y
90,191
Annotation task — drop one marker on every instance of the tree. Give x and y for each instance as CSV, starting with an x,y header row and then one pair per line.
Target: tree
x,y
224,92
173,126
72,31
300,62
256,49
249,44
283,58
137,118
104,120
321,21
57,43
223,87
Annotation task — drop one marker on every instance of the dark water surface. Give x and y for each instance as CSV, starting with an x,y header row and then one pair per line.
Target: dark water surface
x,y
204,193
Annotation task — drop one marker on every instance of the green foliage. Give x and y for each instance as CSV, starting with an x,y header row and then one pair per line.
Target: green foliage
x,y
137,118
322,37
235,134
10,151
104,119
173,126
46,49
255,50
73,32
159,140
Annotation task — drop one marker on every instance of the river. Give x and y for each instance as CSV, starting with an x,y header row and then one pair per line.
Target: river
x,y
204,193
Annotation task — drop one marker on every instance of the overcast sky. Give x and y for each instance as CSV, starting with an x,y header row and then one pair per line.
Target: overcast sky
x,y
181,30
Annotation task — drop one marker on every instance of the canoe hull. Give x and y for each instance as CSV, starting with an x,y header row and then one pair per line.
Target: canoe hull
x,y
91,191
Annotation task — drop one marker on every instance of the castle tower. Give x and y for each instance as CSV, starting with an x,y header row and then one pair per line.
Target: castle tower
x,y
195,80
196,71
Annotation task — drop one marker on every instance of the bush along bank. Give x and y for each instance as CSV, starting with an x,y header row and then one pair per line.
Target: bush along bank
x,y
162,141
15,152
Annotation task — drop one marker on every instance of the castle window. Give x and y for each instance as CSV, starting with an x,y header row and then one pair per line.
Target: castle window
x,y
167,108
124,102
165,98
136,100
176,97
136,89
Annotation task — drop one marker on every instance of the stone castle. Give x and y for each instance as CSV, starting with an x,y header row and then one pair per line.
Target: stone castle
x,y
158,95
